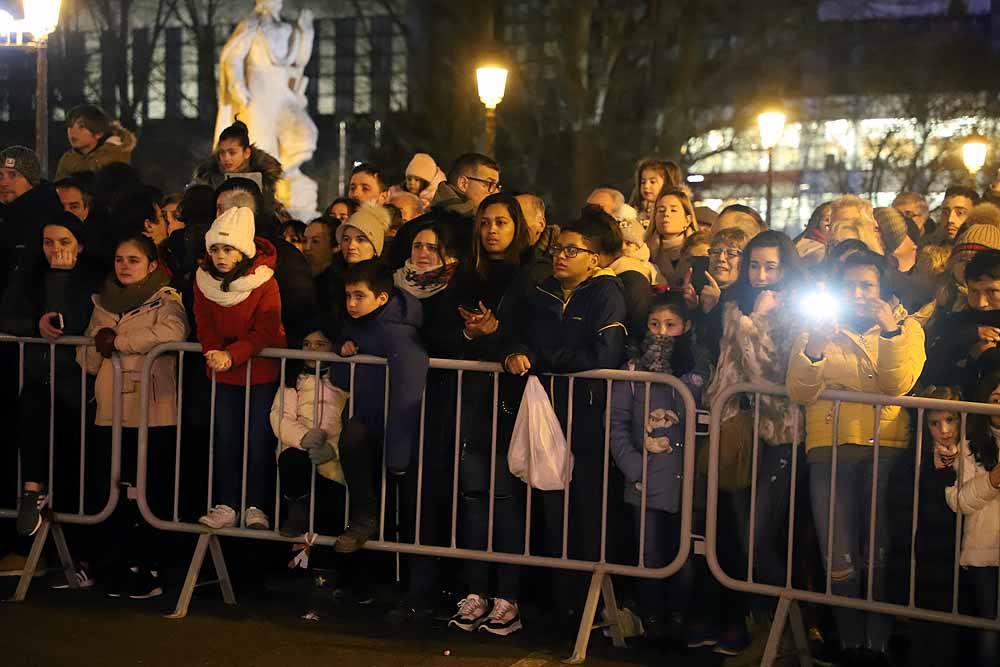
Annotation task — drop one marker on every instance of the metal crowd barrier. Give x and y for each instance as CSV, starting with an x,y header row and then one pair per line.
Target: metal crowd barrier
x,y
601,570
789,595
51,521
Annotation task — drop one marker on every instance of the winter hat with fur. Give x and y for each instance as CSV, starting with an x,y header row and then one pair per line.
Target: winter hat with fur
x,y
891,226
422,166
628,220
24,160
235,227
981,230
372,221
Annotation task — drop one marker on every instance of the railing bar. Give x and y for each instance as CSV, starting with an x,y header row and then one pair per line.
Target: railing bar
x,y
916,507
458,445
754,466
566,470
493,465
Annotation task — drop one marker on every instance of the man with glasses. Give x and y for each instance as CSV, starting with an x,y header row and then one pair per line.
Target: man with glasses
x,y
472,177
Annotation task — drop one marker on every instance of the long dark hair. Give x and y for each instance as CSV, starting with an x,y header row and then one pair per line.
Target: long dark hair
x,y
981,442
445,240
792,273
480,258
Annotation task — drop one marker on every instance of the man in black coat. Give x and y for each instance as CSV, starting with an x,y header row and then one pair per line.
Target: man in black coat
x,y
472,177
26,203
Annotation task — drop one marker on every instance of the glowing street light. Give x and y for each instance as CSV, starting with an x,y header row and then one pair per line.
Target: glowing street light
x,y
492,83
771,125
974,153
41,18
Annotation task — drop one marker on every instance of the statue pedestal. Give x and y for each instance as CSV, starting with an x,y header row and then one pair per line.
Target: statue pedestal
x,y
299,194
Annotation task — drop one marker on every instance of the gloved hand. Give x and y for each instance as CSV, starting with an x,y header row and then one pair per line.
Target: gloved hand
x,y
313,439
104,341
322,454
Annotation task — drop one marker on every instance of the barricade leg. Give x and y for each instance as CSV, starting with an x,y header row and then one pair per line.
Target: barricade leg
x,y
65,558
32,563
787,609
205,540
600,586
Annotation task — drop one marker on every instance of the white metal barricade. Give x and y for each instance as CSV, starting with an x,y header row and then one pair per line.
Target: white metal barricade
x,y
51,520
601,569
789,595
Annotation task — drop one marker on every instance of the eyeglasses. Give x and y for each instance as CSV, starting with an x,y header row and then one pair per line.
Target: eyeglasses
x,y
571,251
718,252
491,185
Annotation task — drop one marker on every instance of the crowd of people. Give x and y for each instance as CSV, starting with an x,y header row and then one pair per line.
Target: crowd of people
x,y
445,264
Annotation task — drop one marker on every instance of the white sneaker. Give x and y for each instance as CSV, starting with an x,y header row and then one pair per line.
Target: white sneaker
x,y
80,575
256,519
472,612
220,516
503,620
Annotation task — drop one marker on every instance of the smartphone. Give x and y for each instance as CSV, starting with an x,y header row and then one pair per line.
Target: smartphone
x,y
472,307
699,265
56,321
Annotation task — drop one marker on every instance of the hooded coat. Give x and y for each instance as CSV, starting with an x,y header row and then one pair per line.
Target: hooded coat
x,y
210,173
116,147
160,319
391,332
450,208
244,328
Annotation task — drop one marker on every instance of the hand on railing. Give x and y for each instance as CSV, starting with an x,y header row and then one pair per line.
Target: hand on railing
x,y
517,364
218,360
348,349
50,326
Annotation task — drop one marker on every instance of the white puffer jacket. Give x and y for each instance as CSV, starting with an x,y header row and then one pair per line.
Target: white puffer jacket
x,y
974,496
297,418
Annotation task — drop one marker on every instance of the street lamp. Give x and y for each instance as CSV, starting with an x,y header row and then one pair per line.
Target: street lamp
x,y
492,81
974,154
41,17
771,125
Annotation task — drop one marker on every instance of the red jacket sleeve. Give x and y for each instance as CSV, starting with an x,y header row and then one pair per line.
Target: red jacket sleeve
x,y
266,329
204,318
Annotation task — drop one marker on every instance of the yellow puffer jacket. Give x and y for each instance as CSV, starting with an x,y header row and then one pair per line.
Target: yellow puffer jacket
x,y
864,362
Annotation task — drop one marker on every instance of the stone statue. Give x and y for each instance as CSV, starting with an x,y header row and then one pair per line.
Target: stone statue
x,y
261,79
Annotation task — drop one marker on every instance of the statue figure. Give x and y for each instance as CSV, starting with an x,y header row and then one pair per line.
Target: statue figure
x,y
261,79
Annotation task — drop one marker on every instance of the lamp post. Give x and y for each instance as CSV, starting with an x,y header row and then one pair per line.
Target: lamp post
x,y
492,81
974,154
771,125
40,20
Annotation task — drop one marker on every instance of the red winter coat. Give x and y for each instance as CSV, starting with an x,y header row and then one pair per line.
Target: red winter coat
x,y
245,328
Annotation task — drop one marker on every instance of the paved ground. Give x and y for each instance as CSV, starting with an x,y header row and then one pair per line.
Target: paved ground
x,y
54,628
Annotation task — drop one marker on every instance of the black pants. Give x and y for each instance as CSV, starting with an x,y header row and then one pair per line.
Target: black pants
x,y
34,406
296,473
359,456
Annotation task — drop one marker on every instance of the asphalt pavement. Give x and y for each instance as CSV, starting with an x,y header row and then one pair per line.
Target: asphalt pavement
x,y
267,628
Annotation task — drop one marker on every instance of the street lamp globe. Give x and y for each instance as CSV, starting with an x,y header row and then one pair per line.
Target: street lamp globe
x,y
41,17
492,82
974,153
771,125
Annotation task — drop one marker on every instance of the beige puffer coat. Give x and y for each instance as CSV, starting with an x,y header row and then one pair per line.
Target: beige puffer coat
x,y
297,418
160,319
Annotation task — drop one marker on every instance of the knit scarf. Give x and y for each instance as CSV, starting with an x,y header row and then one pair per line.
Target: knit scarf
x,y
655,352
119,299
239,289
423,283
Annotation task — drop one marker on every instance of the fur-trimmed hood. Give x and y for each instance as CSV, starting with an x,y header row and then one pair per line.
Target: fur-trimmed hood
x,y
210,173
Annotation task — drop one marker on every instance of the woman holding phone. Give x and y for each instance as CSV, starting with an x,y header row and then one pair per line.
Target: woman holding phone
x,y
874,348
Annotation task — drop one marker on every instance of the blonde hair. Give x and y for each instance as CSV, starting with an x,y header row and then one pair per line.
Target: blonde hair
x,y
932,260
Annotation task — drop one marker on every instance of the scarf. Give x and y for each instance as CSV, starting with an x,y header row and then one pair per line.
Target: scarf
x,y
423,283
119,299
655,352
239,289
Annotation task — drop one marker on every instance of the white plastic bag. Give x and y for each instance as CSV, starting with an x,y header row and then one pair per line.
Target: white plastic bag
x,y
538,451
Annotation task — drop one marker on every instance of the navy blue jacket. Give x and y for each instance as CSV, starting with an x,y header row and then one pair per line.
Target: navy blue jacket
x,y
391,332
583,333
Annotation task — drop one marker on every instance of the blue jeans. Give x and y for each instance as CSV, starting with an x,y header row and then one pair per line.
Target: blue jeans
x,y
851,521
228,468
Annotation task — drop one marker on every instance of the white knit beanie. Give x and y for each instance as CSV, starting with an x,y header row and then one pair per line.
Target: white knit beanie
x,y
235,227
372,221
422,166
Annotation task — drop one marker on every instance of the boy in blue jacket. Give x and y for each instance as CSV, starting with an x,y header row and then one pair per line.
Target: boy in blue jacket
x,y
383,322
576,324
